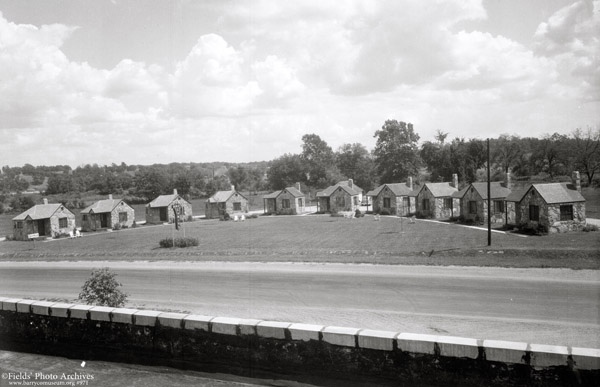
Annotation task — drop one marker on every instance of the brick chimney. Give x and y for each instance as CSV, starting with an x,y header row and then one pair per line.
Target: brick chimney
x,y
174,191
507,179
45,200
409,183
110,196
350,183
576,179
455,180
298,186
233,187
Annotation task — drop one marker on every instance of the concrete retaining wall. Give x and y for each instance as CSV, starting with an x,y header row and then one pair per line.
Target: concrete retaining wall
x,y
309,353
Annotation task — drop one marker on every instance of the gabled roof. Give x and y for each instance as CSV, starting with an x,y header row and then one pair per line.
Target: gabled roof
x,y
294,192
107,205
164,200
552,193
330,190
497,190
272,195
39,211
347,183
439,190
223,196
398,189
559,193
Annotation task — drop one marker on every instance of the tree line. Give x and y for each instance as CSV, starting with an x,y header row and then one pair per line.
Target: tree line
x,y
397,155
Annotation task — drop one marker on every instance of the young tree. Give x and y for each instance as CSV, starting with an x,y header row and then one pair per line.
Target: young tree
x,y
396,153
587,152
102,289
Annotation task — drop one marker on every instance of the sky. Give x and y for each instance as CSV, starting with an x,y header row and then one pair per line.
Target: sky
x,y
155,81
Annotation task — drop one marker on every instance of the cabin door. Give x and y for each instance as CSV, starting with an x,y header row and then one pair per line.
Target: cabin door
x,y
41,226
103,220
163,214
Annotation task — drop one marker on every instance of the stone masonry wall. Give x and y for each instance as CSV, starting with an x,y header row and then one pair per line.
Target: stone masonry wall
x,y
306,353
549,214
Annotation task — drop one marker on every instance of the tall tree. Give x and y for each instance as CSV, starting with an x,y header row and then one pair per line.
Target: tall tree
x,y
550,154
319,161
506,151
396,152
286,171
150,183
354,161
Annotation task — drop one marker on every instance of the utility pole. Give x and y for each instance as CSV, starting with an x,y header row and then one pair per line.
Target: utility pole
x,y
489,196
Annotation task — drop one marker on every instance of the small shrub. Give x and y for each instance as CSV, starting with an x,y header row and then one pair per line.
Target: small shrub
x,y
454,218
225,216
189,218
10,237
117,226
134,224
252,216
461,219
384,212
102,289
179,242
589,227
358,214
60,235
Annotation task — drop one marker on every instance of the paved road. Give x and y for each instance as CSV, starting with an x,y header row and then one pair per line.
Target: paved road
x,y
553,306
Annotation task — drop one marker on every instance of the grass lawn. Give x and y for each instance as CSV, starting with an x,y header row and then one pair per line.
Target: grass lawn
x,y
322,238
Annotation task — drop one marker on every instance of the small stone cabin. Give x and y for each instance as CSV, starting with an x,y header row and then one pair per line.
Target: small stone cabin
x,y
50,220
107,214
162,209
393,199
344,196
473,202
558,207
288,201
434,200
222,202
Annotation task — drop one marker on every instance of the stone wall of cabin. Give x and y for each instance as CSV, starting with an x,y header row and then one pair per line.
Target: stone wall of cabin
x,y
549,214
216,210
436,206
270,206
295,207
114,216
350,202
153,213
481,215
52,225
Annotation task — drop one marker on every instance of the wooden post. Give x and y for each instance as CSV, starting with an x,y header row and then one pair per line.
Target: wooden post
x,y
489,194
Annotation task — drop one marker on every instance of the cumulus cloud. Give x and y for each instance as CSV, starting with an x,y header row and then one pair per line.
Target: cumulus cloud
x,y
571,37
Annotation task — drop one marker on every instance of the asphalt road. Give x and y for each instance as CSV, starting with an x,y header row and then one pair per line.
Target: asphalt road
x,y
547,306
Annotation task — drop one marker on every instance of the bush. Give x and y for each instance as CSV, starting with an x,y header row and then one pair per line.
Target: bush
x,y
384,212
10,237
225,216
102,289
252,216
179,242
454,218
589,227
286,211
358,214
134,224
117,226
336,215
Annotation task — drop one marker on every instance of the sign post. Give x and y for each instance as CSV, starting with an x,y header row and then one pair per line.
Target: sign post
x,y
33,237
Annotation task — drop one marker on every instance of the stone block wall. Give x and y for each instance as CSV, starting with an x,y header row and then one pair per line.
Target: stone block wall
x,y
307,353
295,207
549,214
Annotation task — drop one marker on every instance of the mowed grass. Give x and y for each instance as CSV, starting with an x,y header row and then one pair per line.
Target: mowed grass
x,y
321,238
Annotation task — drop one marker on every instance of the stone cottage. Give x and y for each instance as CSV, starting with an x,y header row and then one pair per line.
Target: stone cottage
x,y
434,200
51,220
343,196
288,201
162,209
473,202
222,202
393,199
555,207
106,214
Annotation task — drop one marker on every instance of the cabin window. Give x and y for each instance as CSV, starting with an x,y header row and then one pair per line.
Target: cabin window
x,y
122,217
448,203
355,199
84,217
566,212
534,213
386,202
472,207
19,224
237,206
425,205
63,223
498,206
300,204
406,201
285,203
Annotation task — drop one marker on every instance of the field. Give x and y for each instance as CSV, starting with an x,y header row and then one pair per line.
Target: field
x,y
322,238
